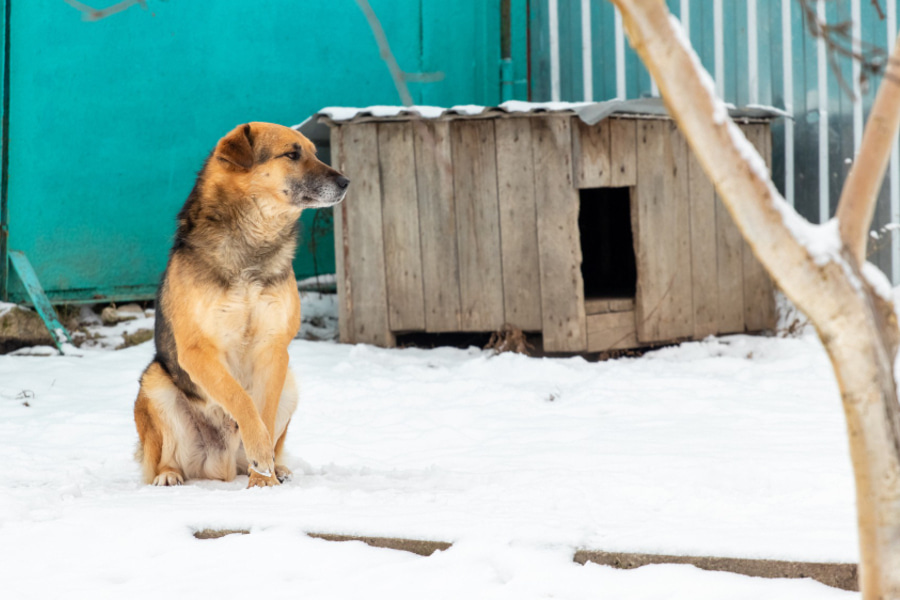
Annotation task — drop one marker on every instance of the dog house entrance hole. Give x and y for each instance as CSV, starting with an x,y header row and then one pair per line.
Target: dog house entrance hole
x,y
607,246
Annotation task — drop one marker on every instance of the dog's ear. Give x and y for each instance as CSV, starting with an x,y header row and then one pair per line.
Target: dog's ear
x,y
236,148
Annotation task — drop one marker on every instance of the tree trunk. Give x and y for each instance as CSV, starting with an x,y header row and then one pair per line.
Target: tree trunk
x,y
817,267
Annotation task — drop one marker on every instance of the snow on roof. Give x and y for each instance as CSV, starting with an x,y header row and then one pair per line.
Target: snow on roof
x,y
316,127
345,113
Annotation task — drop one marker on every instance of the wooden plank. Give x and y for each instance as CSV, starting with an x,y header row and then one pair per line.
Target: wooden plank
x,y
400,214
623,152
362,223
341,241
437,225
590,154
729,271
611,331
621,304
596,306
759,293
518,224
682,292
477,225
704,268
661,211
559,243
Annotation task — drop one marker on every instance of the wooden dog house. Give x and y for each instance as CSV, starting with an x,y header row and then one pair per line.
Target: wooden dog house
x,y
598,236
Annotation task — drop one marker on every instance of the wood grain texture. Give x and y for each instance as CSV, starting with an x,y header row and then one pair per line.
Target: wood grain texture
x,y
341,252
611,331
759,292
730,271
518,224
400,213
591,154
362,225
437,225
623,152
661,207
559,244
704,269
477,225
596,306
683,290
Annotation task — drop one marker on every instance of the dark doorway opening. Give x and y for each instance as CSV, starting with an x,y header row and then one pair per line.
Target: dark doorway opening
x,y
607,245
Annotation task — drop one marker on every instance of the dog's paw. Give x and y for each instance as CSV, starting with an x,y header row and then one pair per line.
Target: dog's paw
x,y
260,480
168,478
282,473
260,457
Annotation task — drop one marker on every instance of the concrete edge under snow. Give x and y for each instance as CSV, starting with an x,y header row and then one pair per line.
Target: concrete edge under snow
x,y
843,576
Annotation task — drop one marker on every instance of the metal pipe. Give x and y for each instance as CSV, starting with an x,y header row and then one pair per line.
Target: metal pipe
x,y
553,19
621,86
587,49
823,100
788,69
4,160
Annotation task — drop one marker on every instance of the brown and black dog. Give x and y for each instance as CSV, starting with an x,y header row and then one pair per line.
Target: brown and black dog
x,y
218,396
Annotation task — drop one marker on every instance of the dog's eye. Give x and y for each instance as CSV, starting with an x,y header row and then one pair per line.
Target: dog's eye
x,y
292,155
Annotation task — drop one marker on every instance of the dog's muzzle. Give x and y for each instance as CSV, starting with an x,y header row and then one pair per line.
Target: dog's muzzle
x,y
320,192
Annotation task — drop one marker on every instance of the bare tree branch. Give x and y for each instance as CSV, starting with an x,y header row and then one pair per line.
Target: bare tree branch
x,y
857,326
860,193
387,56
89,13
839,42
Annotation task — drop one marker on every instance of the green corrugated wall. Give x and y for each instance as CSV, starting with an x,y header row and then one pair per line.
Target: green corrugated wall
x,y
109,121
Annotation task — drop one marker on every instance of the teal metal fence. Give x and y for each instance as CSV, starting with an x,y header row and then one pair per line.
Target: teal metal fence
x,y
106,123
759,52
109,121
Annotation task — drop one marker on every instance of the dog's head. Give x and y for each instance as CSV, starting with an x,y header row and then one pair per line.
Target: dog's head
x,y
276,162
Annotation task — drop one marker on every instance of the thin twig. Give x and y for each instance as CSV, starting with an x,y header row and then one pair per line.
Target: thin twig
x,y
89,13
839,42
387,56
860,193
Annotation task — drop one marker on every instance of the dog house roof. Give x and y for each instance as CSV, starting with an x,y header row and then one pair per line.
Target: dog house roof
x,y
316,127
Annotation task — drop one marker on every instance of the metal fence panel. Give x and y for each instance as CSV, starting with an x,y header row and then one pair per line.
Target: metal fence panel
x,y
758,52
109,121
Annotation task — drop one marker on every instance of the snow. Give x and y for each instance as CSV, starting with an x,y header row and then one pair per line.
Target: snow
x,y
771,109
319,316
317,281
5,307
520,106
347,113
731,446
467,109
879,281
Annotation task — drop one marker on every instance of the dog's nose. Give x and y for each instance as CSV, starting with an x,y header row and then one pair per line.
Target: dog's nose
x,y
342,182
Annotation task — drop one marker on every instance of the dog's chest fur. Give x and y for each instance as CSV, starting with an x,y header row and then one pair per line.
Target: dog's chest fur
x,y
245,317
234,275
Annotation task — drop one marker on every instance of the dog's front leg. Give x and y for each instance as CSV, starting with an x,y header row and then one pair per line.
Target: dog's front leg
x,y
274,374
203,363
276,371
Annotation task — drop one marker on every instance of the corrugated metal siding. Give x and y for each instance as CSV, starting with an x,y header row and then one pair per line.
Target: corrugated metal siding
x,y
109,121
758,51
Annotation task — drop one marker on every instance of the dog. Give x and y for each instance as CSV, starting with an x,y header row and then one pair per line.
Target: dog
x,y
217,398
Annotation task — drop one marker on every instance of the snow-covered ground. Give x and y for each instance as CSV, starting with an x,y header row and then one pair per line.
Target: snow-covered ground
x,y
732,447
